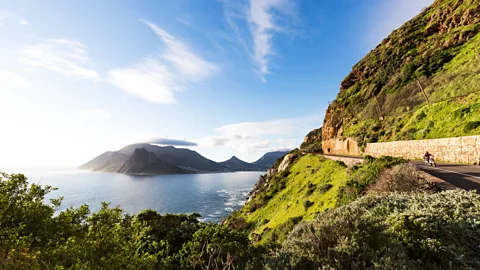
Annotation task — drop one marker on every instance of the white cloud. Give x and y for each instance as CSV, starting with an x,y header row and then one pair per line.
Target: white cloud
x,y
256,129
251,137
9,79
157,78
262,146
265,19
181,58
64,56
150,80
212,141
95,114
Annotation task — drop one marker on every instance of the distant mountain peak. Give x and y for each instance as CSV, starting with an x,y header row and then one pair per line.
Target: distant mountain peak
x,y
145,162
153,159
267,160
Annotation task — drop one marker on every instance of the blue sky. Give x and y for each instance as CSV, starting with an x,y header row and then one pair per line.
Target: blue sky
x,y
231,77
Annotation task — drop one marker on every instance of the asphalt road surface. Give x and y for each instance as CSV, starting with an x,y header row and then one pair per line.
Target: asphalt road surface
x,y
460,175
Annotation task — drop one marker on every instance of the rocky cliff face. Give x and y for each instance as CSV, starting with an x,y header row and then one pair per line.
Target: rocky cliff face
x,y
426,48
313,141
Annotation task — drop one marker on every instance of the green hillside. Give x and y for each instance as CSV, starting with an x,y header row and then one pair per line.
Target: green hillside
x,y
381,99
311,184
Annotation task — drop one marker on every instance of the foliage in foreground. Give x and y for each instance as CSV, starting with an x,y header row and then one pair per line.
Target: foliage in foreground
x,y
364,175
396,231
389,231
32,237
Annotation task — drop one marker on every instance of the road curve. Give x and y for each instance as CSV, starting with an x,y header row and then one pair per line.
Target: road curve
x,y
460,175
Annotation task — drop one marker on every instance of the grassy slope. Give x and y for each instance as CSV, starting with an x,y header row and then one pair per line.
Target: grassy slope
x,y
309,172
440,47
444,119
312,185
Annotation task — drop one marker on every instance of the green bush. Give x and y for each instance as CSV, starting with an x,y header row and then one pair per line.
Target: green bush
x,y
366,174
325,188
218,247
307,204
254,205
284,174
310,188
397,231
471,126
33,237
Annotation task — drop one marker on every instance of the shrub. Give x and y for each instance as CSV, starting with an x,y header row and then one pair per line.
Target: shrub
x,y
325,188
239,223
264,221
32,237
420,116
214,246
396,231
341,163
284,174
460,113
401,178
282,230
366,175
254,205
310,188
307,204
471,126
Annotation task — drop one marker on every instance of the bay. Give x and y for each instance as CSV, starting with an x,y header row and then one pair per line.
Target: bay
x,y
213,196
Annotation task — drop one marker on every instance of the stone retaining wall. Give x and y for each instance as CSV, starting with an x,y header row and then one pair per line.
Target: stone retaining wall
x,y
457,150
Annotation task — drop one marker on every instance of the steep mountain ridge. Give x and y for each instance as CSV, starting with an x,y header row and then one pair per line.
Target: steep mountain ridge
x,y
191,161
147,163
184,158
432,59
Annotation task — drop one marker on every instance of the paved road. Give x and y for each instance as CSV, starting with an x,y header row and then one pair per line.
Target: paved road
x,y
462,176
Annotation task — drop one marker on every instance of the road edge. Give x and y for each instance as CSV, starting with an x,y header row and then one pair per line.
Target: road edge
x,y
437,182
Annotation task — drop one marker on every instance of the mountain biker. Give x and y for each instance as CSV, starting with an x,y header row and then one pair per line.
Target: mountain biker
x,y
427,156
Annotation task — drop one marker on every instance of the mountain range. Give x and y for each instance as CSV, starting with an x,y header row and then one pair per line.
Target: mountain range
x,y
154,160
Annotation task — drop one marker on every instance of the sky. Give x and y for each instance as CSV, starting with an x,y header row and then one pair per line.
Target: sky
x,y
221,77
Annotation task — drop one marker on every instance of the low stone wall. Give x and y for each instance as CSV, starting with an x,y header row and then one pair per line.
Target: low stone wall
x,y
457,150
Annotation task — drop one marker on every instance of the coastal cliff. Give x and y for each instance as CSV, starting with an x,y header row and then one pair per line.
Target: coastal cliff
x,y
421,82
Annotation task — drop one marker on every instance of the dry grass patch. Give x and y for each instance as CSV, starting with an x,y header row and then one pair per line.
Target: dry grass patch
x,y
400,178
